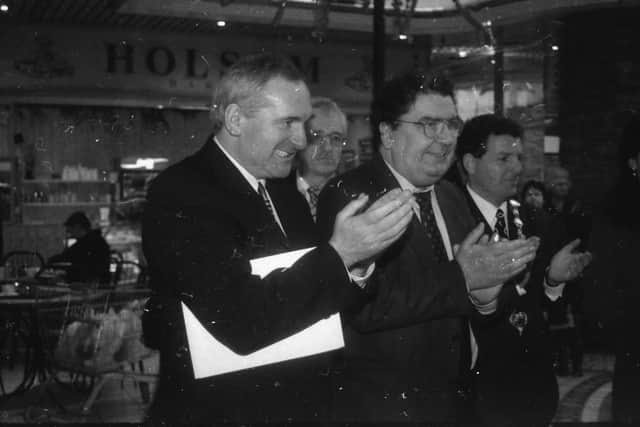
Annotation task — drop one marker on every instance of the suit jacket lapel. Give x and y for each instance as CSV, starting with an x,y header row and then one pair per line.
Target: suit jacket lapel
x,y
240,199
475,212
456,227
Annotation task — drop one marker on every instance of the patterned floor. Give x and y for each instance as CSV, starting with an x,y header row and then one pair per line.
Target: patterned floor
x,y
585,399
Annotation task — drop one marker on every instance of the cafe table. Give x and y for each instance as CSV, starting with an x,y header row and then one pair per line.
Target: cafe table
x,y
24,307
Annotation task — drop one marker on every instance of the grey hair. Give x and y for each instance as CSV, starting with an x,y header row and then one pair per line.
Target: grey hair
x,y
244,81
328,105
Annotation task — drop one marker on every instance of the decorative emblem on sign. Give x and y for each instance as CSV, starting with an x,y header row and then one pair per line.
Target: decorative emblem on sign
x,y
45,64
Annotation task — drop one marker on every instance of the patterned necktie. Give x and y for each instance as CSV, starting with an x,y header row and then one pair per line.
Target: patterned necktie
x,y
501,225
429,222
263,192
314,192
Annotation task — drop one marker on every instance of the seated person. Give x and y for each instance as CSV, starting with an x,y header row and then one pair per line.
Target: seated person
x,y
88,256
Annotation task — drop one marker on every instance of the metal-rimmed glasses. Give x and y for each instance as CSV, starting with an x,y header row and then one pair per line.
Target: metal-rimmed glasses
x,y
432,127
318,137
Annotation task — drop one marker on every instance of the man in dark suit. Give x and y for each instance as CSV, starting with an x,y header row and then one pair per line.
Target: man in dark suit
x,y
207,216
408,348
515,383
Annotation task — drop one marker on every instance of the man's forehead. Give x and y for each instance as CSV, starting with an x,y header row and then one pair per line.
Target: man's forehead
x,y
433,105
328,118
504,143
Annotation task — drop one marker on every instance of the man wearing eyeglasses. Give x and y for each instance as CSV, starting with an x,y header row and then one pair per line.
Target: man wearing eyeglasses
x,y
319,160
408,348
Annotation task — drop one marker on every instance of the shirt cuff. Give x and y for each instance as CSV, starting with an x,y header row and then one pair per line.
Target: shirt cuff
x,y
553,292
361,281
485,309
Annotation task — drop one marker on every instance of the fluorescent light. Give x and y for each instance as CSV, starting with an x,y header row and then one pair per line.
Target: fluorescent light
x,y
555,47
221,23
148,163
402,37
4,8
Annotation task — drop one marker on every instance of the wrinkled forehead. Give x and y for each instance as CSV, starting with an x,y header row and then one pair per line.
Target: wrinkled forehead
x,y
432,105
288,97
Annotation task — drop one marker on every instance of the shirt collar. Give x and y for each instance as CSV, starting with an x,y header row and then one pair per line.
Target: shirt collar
x,y
252,180
487,208
404,182
301,183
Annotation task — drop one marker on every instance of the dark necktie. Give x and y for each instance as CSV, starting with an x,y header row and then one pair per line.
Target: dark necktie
x,y
501,225
429,222
314,192
440,256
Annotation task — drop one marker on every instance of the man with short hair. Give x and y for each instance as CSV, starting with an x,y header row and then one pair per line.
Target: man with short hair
x,y
319,160
208,215
515,383
88,256
408,350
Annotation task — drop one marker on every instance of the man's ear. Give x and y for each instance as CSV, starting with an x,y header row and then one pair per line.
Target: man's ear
x,y
469,163
386,135
233,119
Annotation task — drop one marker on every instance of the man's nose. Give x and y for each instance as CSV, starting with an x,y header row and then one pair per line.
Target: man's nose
x,y
299,136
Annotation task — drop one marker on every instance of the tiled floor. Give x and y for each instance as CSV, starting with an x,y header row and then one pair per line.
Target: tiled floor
x,y
584,399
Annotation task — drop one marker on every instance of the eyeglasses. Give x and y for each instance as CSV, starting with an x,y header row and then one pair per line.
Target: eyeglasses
x,y
317,137
433,127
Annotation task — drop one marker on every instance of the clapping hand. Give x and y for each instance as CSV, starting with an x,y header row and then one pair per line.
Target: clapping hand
x,y
361,236
487,264
566,264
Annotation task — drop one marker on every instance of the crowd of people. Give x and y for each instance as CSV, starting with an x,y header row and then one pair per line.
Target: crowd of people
x,y
446,288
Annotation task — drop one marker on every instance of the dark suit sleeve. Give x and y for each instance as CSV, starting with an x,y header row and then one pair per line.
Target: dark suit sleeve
x,y
201,257
405,288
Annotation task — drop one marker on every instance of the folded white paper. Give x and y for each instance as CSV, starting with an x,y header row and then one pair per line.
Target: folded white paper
x,y
210,357
265,265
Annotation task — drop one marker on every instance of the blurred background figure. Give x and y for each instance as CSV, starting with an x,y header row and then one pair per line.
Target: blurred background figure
x,y
564,206
566,319
613,294
88,256
533,195
318,162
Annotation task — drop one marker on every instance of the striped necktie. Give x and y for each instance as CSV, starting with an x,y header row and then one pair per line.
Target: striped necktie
x,y
263,192
501,225
313,192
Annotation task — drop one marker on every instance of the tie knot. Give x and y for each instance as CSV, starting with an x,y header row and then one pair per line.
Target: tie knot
x,y
314,191
501,225
423,199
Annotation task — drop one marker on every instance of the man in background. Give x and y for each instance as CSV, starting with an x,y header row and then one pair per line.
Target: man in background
x,y
319,160
89,256
514,378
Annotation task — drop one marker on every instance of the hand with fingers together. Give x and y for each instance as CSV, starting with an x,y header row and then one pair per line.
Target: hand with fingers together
x,y
362,236
489,264
566,264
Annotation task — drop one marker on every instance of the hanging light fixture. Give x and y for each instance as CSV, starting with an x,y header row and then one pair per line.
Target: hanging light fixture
x,y
277,18
320,20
